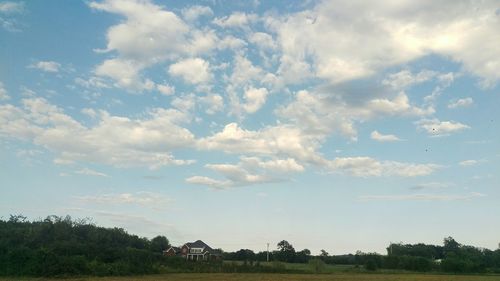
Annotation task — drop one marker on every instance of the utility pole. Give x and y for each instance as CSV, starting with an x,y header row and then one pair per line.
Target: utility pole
x,y
267,252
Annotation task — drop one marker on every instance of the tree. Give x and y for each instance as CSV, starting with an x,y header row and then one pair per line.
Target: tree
x,y
286,251
450,246
303,256
159,244
284,246
323,253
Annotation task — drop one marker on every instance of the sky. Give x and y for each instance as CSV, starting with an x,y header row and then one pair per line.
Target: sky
x,y
335,125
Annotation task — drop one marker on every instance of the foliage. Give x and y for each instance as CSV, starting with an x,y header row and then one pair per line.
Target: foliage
x,y
317,265
62,246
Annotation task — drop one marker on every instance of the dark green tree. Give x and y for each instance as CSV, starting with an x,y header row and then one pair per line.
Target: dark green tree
x,y
159,244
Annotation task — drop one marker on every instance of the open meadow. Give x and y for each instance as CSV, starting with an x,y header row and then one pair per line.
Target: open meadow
x,y
277,277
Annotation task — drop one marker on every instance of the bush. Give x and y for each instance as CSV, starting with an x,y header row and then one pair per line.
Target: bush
x,y
317,265
371,265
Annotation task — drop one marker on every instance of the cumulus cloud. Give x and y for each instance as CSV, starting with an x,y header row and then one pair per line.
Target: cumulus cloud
x,y
114,140
385,35
93,82
192,70
249,171
375,135
405,78
192,13
237,19
149,35
214,103
47,66
277,141
465,102
165,89
326,113
254,99
369,167
434,127
263,40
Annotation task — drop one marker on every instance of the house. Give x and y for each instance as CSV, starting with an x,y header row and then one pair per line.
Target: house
x,y
195,251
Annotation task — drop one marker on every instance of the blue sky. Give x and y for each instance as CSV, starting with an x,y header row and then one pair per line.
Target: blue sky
x,y
336,125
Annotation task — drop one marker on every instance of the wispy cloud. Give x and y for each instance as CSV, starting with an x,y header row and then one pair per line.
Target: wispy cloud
x,y
471,162
465,102
422,197
90,172
46,66
432,185
11,7
141,198
375,135
435,127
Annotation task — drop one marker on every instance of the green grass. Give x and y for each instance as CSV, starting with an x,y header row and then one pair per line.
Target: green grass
x,y
305,267
279,277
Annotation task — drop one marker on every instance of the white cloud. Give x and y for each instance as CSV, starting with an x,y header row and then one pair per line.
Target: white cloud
x,y
263,40
231,42
9,7
214,103
422,197
326,113
470,162
210,182
184,103
237,19
245,72
114,140
143,226
3,93
125,73
387,34
404,78
47,66
369,167
192,70
93,82
434,127
465,102
249,171
275,141
90,172
375,135
141,198
165,89
432,185
254,99
149,35
194,12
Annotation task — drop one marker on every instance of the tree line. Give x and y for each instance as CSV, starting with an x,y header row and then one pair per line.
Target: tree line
x,y
452,257
62,246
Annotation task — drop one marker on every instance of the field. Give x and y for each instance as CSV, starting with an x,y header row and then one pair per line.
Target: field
x,y
279,277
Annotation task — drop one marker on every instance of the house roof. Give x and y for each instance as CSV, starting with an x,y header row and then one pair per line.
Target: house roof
x,y
204,246
176,249
197,244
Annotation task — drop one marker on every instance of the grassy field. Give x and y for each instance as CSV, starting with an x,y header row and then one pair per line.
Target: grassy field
x,y
306,268
279,277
